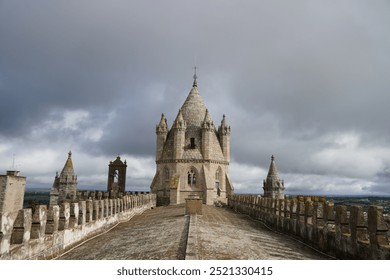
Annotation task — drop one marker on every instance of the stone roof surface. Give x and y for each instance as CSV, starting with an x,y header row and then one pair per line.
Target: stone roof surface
x,y
194,109
221,234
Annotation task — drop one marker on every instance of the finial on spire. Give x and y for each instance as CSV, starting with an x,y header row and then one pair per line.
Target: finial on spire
x,y
195,84
272,158
70,154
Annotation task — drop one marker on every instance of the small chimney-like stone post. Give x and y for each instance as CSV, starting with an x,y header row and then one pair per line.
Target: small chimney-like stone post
x,y
194,205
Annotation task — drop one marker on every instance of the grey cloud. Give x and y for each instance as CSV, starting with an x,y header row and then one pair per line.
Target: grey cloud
x,y
287,75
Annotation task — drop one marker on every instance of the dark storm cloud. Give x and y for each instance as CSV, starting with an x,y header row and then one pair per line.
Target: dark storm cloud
x,y
306,81
381,184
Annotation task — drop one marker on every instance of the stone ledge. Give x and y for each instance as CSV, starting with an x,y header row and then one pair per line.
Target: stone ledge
x,y
192,250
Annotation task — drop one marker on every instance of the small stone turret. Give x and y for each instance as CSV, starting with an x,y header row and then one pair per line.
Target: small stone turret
x,y
224,138
161,132
273,186
207,134
116,182
179,130
65,185
12,189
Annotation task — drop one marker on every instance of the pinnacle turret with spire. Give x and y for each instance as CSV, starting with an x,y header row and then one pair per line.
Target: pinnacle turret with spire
x,y
273,186
65,184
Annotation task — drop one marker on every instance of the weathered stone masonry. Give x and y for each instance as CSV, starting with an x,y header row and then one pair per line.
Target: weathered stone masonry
x,y
44,233
352,234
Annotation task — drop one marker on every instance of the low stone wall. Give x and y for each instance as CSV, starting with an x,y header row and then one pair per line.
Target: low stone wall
x,y
46,232
337,231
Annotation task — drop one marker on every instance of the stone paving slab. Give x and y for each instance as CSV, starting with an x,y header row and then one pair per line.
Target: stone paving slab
x,y
157,234
161,233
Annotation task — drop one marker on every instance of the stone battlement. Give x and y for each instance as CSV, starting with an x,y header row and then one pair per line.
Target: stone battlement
x,y
85,195
352,234
45,232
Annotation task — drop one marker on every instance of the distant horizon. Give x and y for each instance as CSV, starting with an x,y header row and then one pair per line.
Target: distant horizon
x,y
43,189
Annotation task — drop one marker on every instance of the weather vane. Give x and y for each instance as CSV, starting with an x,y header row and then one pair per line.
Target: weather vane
x,y
195,77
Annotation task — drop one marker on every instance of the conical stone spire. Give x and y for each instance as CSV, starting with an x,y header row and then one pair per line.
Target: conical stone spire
x,y
273,186
162,126
68,167
224,129
208,122
273,171
193,108
68,175
179,121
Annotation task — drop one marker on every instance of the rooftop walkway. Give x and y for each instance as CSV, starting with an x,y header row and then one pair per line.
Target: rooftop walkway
x,y
218,234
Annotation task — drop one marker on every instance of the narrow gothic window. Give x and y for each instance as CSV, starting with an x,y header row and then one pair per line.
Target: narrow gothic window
x,y
166,171
116,176
191,178
192,144
217,179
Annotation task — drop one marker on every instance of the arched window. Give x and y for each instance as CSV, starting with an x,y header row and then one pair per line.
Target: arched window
x,y
191,177
166,174
217,174
116,176
217,181
192,143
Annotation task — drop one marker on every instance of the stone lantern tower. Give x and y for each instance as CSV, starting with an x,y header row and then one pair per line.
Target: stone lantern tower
x,y
192,157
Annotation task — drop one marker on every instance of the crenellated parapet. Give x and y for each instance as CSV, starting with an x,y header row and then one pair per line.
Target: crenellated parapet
x,y
345,233
99,195
48,231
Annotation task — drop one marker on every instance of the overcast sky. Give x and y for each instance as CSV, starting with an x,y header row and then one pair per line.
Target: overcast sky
x,y
306,81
